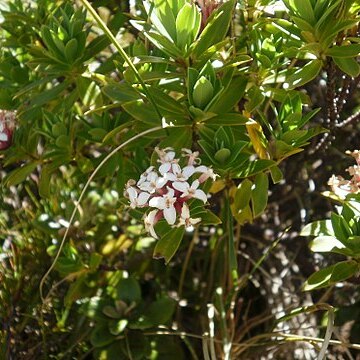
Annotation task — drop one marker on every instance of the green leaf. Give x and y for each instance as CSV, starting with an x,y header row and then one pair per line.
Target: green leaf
x,y
242,196
259,194
318,228
45,181
276,174
116,327
207,216
325,243
304,10
215,29
167,246
101,336
158,313
230,96
128,290
121,92
163,18
229,119
48,95
332,275
177,139
348,65
305,74
344,51
187,25
256,98
341,228
251,168
19,175
71,49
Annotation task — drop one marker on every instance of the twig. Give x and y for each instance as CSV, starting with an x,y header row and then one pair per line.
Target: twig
x,y
352,118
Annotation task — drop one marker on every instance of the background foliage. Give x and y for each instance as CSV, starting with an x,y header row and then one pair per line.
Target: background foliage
x,y
267,91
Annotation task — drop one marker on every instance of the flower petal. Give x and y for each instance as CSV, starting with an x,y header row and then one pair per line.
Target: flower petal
x,y
181,186
195,184
158,202
132,193
170,215
164,168
143,198
188,171
161,182
199,194
3,137
185,212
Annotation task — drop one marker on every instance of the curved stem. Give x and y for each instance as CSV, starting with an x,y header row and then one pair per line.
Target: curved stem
x,y
80,198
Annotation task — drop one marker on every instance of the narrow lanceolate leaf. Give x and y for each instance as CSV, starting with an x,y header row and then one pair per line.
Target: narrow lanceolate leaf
x,y
305,74
345,51
187,25
215,30
71,49
167,246
331,275
348,65
259,194
20,174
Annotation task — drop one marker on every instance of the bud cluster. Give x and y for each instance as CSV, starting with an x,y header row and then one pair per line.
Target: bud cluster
x,y
167,189
342,187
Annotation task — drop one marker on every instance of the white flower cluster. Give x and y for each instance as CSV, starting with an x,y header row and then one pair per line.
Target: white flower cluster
x,y
167,189
7,124
342,187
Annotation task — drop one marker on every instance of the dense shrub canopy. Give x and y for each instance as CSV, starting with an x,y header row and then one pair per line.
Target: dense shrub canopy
x,y
163,168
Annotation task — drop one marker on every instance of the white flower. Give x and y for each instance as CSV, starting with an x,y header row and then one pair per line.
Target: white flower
x,y
166,203
185,218
179,174
206,173
340,186
144,175
190,191
149,222
193,156
167,159
137,199
152,182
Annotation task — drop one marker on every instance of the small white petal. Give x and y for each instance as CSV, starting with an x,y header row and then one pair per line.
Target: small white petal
x,y
199,194
188,171
143,198
3,137
132,193
152,176
185,212
170,177
170,215
176,169
195,184
164,168
147,186
181,186
170,192
160,182
169,156
149,221
201,169
158,202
